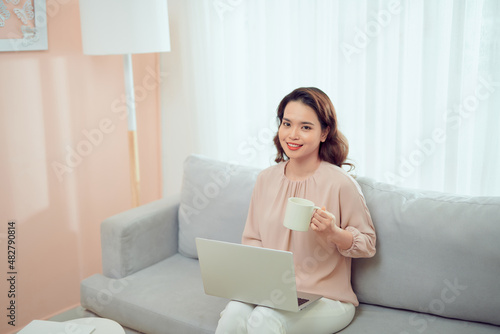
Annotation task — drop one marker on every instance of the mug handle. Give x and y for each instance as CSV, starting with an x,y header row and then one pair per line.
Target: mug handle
x,y
328,213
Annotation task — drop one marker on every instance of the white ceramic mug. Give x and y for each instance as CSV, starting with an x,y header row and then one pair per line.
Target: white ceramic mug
x,y
298,214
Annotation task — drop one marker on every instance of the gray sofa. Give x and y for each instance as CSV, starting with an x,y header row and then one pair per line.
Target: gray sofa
x,y
437,267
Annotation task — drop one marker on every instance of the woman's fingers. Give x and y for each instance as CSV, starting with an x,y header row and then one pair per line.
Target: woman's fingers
x,y
322,219
317,224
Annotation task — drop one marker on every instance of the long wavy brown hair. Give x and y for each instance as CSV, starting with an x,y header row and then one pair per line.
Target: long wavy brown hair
x,y
335,149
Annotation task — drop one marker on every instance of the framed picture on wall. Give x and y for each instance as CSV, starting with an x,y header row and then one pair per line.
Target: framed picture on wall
x,y
23,25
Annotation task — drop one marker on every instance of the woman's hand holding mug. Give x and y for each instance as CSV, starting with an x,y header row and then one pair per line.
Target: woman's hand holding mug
x,y
323,221
301,214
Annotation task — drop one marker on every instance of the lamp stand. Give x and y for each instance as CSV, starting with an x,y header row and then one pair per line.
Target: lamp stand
x,y
132,129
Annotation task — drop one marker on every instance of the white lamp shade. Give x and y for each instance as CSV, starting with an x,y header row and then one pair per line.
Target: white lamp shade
x,y
124,26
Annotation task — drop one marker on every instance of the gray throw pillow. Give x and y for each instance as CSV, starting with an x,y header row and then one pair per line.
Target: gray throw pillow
x,y
214,204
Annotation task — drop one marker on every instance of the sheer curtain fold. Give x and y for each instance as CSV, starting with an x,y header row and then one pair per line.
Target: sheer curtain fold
x,y
416,84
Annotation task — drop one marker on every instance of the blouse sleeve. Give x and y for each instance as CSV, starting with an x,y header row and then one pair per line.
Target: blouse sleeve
x,y
355,218
251,233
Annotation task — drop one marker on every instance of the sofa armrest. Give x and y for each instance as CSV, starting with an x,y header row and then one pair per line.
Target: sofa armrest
x,y
139,237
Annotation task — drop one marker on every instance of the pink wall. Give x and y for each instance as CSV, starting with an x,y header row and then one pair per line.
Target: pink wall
x,y
51,103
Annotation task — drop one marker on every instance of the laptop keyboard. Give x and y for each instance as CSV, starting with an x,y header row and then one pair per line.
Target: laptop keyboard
x,y
302,301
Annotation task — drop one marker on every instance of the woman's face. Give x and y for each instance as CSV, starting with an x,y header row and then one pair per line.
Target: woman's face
x,y
300,132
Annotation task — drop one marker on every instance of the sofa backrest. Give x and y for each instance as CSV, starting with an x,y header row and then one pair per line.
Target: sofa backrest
x,y
436,253
214,201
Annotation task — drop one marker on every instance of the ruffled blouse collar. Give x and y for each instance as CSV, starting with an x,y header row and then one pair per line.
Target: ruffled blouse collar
x,y
310,177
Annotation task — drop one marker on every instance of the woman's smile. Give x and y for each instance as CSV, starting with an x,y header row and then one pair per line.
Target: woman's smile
x,y
293,146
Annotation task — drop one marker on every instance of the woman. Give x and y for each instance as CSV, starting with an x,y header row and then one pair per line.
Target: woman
x,y
311,152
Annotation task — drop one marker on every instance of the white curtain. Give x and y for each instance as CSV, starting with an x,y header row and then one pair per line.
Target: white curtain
x,y
416,83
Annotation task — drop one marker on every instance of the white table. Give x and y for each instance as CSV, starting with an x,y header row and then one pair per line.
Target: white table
x,y
102,326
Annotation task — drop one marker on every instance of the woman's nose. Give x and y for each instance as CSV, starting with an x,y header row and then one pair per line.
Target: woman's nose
x,y
294,134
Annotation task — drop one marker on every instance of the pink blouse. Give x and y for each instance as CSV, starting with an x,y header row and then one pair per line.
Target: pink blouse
x,y
320,267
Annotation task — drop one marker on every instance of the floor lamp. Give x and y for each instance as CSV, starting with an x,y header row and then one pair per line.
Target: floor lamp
x,y
125,27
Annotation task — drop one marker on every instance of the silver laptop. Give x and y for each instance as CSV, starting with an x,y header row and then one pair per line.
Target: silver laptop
x,y
250,274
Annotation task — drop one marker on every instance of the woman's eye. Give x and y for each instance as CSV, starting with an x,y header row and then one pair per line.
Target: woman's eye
x,y
286,124
306,127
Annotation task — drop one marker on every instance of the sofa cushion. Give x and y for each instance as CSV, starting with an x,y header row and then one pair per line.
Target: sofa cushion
x,y
377,319
166,297
436,253
214,201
